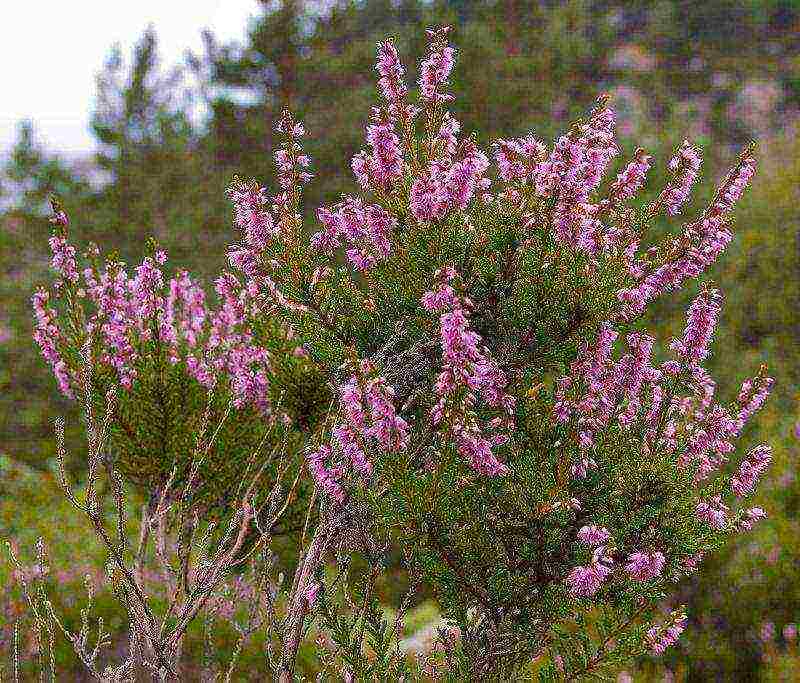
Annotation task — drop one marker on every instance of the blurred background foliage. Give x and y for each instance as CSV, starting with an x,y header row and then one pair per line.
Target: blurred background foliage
x,y
720,72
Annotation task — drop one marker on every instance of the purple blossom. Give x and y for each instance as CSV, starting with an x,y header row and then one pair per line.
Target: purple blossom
x,y
685,167
435,69
467,369
713,512
366,228
391,73
629,180
585,581
429,198
594,535
645,566
327,478
700,323
751,470
312,592
663,636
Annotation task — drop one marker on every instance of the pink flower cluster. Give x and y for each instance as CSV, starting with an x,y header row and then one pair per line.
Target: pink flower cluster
x,y
368,416
327,476
613,389
366,229
436,68
384,165
263,219
713,512
253,217
594,535
517,160
751,470
290,161
380,169
697,248
753,394
63,261
645,566
451,181
663,636
685,167
468,371
750,516
134,315
585,581
454,171
599,392
629,180
391,74
700,323
48,336
572,172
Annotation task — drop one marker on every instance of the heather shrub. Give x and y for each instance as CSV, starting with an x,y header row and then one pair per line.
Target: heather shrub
x,y
752,580
452,367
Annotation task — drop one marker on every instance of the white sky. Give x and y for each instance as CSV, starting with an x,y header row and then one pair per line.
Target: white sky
x,y
51,51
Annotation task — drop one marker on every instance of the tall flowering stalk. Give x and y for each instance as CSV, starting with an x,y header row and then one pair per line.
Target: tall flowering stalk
x,y
495,410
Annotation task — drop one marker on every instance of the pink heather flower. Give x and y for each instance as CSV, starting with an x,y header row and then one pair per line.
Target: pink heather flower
x,y
185,314
439,299
253,217
468,366
580,469
63,261
389,429
367,229
477,451
47,336
594,535
692,563
790,632
713,512
751,470
629,180
605,389
435,69
446,138
464,177
366,415
59,216
326,478
703,241
289,161
517,159
767,631
645,566
751,397
585,581
385,163
429,197
391,73
685,167
662,637
576,167
700,323
751,516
